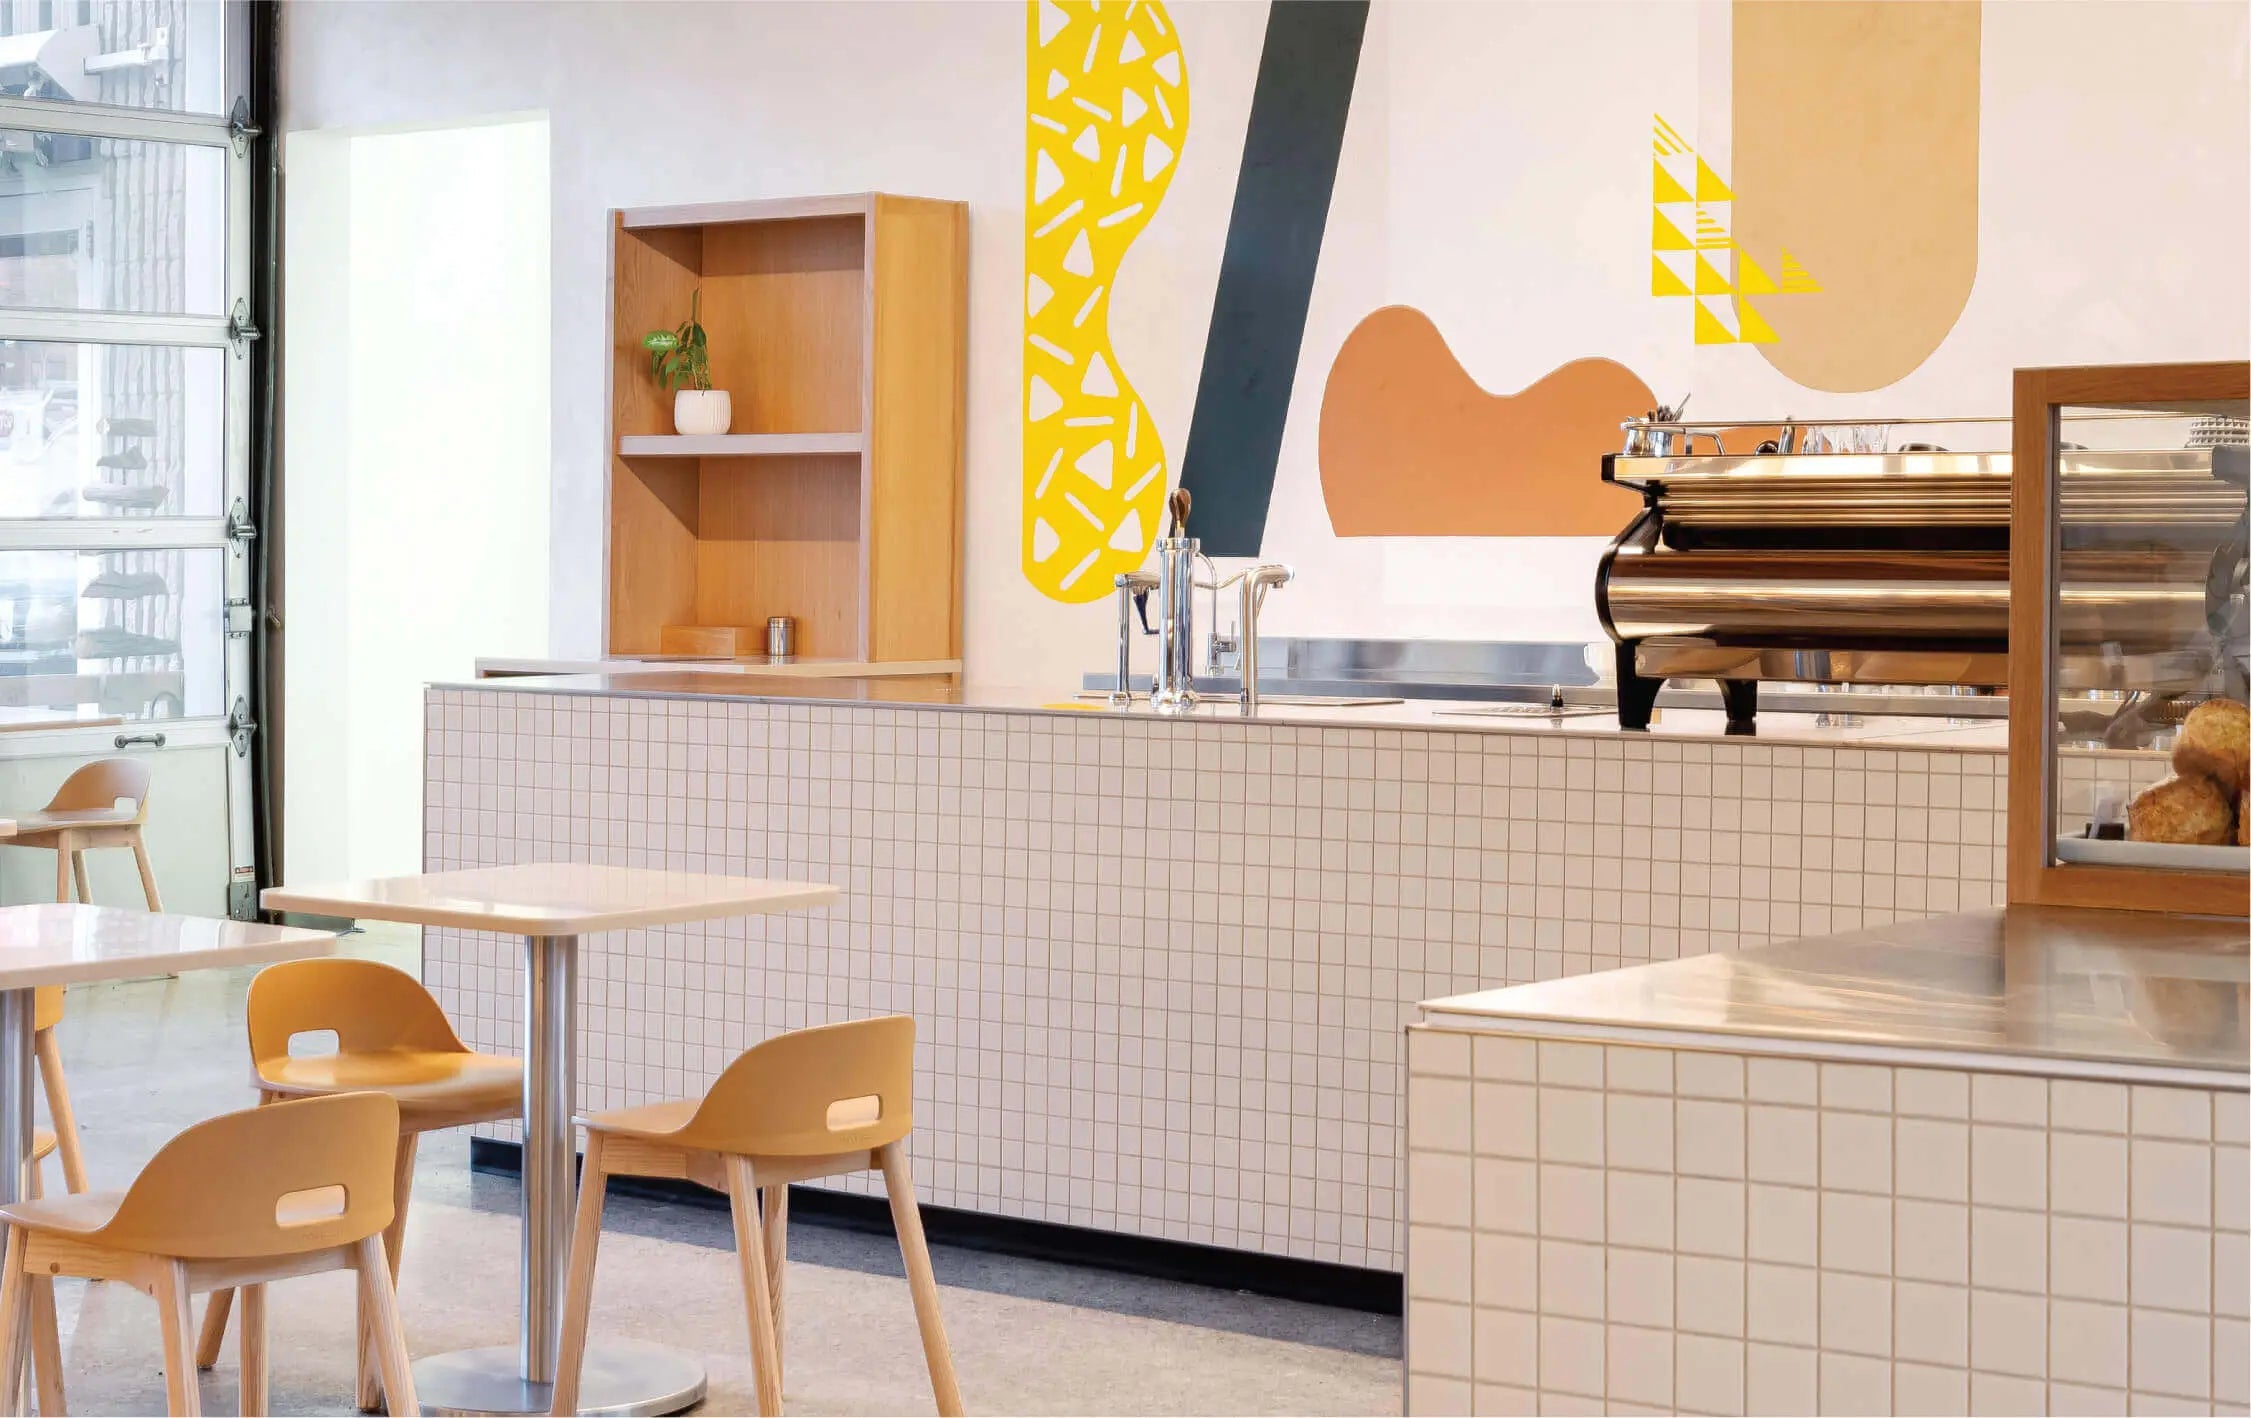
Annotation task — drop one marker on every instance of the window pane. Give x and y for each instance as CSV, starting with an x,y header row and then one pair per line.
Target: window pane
x,y
111,430
170,54
137,633
111,224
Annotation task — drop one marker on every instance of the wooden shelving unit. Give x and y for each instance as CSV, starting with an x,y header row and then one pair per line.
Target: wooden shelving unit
x,y
837,327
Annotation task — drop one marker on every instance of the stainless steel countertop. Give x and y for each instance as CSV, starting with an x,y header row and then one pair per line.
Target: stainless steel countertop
x,y
2141,989
942,693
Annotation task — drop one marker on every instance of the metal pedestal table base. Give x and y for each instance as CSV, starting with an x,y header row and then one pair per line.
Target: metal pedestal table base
x,y
619,1378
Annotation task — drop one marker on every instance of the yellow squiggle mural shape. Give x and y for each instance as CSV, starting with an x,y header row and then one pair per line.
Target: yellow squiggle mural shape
x,y
1106,114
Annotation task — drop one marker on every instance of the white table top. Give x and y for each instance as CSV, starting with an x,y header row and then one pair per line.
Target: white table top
x,y
63,943
549,898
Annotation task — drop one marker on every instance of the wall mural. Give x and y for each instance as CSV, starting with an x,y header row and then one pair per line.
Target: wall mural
x,y
1306,71
1411,446
1867,167
1693,254
1106,114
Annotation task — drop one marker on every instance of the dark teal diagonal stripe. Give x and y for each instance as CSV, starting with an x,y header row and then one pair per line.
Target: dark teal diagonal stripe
x,y
1298,109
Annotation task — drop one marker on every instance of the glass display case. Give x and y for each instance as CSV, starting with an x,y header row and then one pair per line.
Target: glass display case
x,y
2128,661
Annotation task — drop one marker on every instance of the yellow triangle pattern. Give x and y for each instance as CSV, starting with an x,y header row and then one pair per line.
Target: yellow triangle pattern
x,y
1709,188
1664,187
1679,265
1755,330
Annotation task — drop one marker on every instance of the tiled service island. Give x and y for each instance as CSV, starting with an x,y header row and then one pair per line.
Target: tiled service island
x,y
1161,970
1667,1194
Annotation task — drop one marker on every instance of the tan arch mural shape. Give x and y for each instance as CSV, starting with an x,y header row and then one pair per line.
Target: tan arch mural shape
x,y
1856,147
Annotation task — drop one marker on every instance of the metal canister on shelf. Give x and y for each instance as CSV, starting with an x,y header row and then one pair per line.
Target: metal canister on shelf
x,y
781,636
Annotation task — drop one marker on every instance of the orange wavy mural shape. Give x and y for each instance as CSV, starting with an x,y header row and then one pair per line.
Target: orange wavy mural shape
x,y
1411,446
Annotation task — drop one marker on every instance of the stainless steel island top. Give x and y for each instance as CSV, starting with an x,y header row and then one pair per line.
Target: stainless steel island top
x,y
2059,991
943,693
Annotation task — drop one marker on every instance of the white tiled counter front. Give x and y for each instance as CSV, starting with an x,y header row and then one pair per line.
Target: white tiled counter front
x,y
1725,1228
1161,970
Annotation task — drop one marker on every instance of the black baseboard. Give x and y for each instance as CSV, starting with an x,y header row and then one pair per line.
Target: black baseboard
x,y
1315,1282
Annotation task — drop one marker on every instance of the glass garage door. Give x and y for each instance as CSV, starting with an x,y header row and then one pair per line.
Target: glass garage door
x,y
125,335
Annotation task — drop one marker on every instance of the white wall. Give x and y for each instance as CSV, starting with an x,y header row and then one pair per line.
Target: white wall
x,y
417,436
1494,172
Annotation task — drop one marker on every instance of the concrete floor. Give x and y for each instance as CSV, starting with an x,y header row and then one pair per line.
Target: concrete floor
x,y
148,1058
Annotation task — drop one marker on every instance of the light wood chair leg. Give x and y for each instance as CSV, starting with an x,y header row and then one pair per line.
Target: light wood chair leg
x,y
394,1239
906,1217
382,1305
776,1201
578,1283
59,1110
148,877
46,1348
252,1342
214,1332
15,1325
62,867
78,875
758,1295
181,1393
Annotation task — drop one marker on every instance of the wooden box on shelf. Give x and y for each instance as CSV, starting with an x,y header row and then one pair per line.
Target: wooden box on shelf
x,y
837,325
2137,570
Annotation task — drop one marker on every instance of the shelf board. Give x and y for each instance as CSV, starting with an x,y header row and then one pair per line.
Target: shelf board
x,y
737,445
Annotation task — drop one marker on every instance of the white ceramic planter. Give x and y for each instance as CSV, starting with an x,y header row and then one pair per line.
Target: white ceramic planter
x,y
702,411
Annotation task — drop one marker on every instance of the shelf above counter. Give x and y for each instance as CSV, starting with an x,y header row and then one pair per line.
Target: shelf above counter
x,y
738,445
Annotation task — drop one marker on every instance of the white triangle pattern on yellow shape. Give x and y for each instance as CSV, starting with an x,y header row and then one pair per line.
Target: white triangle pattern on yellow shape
x,y
1037,293
1131,107
1047,178
1079,260
1096,463
1156,156
1167,66
1042,402
1044,540
1098,382
1131,49
1052,22
1088,144
1129,536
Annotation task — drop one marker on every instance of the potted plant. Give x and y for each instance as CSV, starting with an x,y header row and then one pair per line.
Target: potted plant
x,y
680,360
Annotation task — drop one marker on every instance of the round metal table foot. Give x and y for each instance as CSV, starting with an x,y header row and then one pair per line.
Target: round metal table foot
x,y
618,1378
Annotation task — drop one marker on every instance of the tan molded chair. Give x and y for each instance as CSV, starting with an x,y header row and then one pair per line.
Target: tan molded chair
x,y
814,1103
103,804
47,1012
243,1199
391,1038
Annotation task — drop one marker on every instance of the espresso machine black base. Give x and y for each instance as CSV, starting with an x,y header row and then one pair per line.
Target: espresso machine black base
x,y
1637,695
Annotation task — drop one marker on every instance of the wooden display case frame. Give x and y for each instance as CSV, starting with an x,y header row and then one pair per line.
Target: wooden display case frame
x,y
838,327
2034,877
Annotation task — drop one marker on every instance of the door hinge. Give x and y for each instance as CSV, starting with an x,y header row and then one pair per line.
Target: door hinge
x,y
241,620
239,526
240,129
241,330
240,726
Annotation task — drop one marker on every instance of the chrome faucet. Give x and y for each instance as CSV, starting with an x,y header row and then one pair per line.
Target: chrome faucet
x,y
1255,582
1133,592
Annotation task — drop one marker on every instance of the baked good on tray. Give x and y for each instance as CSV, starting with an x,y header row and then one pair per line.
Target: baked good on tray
x,y
2215,743
2188,808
